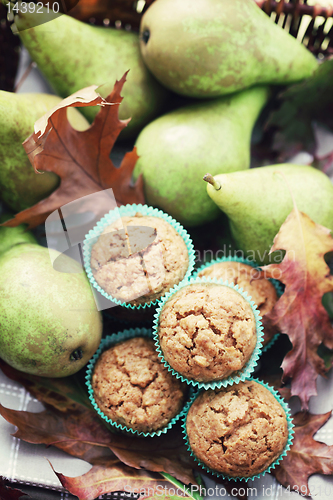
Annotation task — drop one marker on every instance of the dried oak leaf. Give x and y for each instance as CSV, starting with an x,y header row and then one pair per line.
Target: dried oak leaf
x,y
80,159
70,423
299,312
76,432
8,493
306,456
103,479
63,394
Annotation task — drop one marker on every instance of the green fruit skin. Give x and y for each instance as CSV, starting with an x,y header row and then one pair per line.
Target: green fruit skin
x,y
20,186
258,201
11,236
176,150
210,48
45,314
73,55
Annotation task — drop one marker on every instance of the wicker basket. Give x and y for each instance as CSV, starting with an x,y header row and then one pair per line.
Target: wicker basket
x,y
311,24
9,52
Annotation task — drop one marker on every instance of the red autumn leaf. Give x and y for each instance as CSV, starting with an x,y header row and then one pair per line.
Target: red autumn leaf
x,y
299,312
102,479
80,159
306,456
8,493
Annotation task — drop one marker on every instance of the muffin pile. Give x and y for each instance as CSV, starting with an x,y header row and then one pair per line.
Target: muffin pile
x,y
196,360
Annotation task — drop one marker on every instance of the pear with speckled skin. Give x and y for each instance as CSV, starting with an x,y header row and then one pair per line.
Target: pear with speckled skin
x,y
73,55
20,186
206,48
49,323
178,148
258,201
11,236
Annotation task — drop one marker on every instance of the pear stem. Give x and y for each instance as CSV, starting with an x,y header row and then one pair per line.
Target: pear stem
x,y
209,178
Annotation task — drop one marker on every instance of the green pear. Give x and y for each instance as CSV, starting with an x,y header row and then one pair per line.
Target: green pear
x,y
11,236
20,186
49,323
206,48
258,201
177,149
73,55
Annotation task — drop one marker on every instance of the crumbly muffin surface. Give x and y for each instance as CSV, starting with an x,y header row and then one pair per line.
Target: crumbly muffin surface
x,y
239,430
207,331
133,388
262,292
137,259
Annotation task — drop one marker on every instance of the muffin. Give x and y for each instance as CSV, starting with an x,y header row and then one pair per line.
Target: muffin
x,y
132,388
262,291
238,431
206,331
138,258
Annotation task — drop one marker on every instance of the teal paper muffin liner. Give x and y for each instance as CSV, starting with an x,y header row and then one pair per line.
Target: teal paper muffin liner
x,y
272,465
105,344
238,376
277,284
130,210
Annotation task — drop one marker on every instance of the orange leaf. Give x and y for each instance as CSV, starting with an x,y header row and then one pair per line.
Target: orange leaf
x,y
80,159
299,312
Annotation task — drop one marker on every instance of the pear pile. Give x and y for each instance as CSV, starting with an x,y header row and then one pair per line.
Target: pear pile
x,y
201,72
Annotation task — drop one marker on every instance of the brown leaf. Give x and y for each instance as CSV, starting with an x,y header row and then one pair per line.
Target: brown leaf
x,y
166,453
103,479
78,433
299,312
306,456
80,159
62,393
8,493
77,430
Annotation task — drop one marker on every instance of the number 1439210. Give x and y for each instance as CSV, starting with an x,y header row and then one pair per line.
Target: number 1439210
x,y
31,7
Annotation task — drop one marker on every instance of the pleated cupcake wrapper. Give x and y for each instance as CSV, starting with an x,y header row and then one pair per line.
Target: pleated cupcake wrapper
x,y
234,378
273,464
114,215
277,284
105,344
